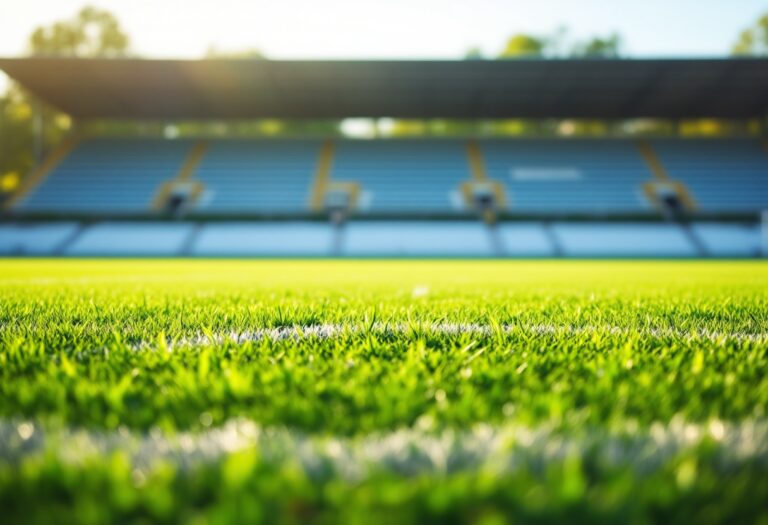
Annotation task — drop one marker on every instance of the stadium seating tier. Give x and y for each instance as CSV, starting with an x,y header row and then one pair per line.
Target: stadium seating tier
x,y
593,176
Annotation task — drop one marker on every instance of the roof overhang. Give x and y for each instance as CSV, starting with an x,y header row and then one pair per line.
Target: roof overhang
x,y
468,89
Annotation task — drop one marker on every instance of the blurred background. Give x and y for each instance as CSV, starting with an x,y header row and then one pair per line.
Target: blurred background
x,y
490,129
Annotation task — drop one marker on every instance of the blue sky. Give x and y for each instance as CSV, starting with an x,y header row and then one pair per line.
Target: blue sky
x,y
394,28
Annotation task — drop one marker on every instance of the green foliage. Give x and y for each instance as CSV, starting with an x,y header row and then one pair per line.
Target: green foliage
x,y
16,154
474,53
753,41
524,46
92,33
558,45
599,47
598,359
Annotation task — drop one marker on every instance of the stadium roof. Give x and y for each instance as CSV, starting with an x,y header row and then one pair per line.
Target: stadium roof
x,y
468,89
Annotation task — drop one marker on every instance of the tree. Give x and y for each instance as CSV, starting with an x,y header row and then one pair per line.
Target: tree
x,y
559,45
753,41
92,33
524,46
597,47
473,53
16,155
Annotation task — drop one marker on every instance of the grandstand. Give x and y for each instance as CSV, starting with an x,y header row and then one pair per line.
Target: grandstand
x,y
265,176
330,196
556,176
404,175
107,176
702,165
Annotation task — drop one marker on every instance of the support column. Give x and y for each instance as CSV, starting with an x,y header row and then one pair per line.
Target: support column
x,y
38,146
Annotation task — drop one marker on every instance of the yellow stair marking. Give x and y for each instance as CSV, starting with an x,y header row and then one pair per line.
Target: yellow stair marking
x,y
652,161
662,178
184,175
193,161
476,163
480,177
322,176
41,172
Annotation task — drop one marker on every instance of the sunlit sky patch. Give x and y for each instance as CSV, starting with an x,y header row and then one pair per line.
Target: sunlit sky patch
x,y
396,28
291,29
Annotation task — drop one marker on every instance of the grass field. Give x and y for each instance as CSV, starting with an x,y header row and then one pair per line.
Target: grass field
x,y
383,392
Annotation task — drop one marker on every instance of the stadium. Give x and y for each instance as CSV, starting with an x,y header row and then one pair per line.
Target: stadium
x,y
458,325
460,197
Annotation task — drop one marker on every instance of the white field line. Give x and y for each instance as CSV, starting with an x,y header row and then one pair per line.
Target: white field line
x,y
406,452
330,331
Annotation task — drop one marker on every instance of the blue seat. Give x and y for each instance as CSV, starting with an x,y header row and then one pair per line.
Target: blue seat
x,y
131,239
404,175
310,239
34,239
258,176
723,175
623,240
109,176
524,240
568,175
417,239
729,240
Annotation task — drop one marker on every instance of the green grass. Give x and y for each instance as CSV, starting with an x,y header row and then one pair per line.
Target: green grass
x,y
383,392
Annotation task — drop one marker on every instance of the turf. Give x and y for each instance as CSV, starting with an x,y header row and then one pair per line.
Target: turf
x,y
383,392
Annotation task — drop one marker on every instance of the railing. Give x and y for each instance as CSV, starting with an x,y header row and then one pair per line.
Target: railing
x,y
651,216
